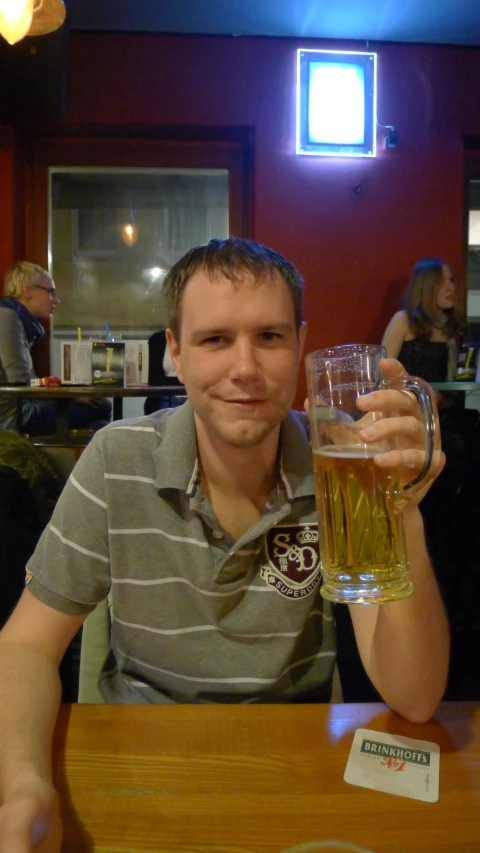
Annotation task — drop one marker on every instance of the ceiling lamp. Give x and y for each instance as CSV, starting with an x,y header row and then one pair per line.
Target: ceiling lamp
x,y
19,18
48,15
129,233
129,230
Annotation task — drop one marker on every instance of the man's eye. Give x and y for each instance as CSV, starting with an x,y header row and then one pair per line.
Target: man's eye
x,y
214,339
271,336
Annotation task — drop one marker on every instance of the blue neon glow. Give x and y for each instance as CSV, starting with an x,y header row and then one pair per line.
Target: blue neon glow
x,y
336,112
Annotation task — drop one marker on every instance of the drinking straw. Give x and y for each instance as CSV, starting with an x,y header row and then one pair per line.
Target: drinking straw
x,y
79,333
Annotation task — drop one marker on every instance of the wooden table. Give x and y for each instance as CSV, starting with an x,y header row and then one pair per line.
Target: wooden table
x,y
254,779
62,394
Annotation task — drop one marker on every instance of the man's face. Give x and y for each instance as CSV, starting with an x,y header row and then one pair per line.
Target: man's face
x,y
239,355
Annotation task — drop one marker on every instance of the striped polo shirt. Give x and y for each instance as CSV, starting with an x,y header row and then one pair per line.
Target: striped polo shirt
x,y
196,615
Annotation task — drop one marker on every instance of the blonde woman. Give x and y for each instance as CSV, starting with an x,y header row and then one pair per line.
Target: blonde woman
x,y
30,296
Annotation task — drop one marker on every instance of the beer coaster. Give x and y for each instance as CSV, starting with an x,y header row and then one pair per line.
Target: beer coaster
x,y
395,764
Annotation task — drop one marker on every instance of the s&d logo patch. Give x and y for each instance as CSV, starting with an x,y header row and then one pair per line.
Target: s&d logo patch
x,y
293,567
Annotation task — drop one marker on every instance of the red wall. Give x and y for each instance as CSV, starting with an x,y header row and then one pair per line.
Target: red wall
x,y
354,249
11,191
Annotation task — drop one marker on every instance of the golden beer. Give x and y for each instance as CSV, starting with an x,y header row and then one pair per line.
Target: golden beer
x,y
363,547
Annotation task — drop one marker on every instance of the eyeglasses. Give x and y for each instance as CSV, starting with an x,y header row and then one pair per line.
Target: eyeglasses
x,y
50,290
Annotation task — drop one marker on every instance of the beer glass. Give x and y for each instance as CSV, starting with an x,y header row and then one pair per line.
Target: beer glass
x,y
361,532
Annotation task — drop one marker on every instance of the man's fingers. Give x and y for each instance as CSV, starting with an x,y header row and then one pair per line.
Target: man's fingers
x,y
21,827
391,368
401,402
410,460
30,823
405,427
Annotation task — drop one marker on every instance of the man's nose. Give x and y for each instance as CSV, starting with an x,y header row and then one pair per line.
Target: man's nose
x,y
245,362
56,300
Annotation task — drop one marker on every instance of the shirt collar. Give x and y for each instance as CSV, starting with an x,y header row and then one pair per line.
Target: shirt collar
x,y
176,457
296,458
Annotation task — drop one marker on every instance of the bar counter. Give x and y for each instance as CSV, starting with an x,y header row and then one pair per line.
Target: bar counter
x,y
254,779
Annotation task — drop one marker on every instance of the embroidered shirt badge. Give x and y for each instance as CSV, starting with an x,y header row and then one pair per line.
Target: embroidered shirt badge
x,y
293,567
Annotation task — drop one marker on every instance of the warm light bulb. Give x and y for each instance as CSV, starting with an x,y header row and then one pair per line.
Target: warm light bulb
x,y
129,233
15,19
48,15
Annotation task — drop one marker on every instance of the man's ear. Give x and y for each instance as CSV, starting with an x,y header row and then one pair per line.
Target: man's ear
x,y
27,292
174,348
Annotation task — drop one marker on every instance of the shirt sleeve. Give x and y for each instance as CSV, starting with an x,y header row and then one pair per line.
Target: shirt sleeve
x,y
70,568
14,353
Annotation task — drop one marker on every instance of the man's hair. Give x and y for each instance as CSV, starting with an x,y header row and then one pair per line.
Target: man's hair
x,y
420,300
230,258
22,274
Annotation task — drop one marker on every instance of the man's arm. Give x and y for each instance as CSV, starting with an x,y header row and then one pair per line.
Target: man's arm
x,y
404,645
14,355
32,644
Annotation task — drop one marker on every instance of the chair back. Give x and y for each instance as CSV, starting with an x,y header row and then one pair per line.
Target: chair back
x,y
94,651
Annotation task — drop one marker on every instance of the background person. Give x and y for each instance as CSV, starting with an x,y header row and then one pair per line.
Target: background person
x,y
423,336
193,519
30,296
161,371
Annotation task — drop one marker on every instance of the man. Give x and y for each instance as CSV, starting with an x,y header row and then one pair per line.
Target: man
x,y
31,297
184,517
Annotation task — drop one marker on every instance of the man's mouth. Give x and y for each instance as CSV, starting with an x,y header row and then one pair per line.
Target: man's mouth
x,y
244,401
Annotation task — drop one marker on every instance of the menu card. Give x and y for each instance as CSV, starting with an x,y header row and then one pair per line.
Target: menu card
x,y
76,362
108,363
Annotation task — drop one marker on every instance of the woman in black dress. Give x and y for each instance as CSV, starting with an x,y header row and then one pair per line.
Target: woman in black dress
x,y
423,336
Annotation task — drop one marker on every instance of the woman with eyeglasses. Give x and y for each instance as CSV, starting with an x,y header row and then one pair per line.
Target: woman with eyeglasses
x,y
30,296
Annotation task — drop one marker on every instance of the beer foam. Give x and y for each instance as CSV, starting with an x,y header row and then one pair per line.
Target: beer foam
x,y
347,451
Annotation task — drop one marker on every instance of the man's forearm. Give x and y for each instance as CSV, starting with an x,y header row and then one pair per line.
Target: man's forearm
x,y
407,656
30,694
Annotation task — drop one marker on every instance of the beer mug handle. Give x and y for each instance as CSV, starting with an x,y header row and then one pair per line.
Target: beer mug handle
x,y
423,394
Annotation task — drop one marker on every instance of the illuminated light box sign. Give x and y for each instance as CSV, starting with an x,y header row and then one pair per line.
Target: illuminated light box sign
x,y
336,103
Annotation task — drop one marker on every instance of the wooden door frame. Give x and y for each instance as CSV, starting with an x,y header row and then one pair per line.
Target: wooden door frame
x,y
231,150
